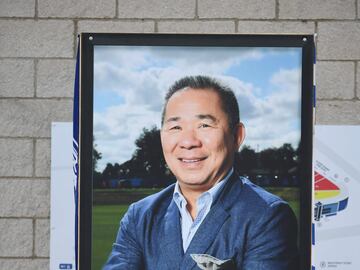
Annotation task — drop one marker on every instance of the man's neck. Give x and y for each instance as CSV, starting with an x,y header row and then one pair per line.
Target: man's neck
x,y
191,197
192,193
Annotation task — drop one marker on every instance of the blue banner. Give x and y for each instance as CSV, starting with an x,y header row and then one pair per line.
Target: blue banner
x,y
76,150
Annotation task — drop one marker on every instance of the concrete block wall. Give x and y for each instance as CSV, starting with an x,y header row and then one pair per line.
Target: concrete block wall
x,y
37,52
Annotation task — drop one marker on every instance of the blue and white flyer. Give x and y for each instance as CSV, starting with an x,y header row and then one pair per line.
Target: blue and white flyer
x,y
336,214
62,223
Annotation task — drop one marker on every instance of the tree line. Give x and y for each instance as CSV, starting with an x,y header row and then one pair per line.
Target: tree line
x,y
147,165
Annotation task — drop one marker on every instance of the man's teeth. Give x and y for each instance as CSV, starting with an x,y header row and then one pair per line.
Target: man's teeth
x,y
190,160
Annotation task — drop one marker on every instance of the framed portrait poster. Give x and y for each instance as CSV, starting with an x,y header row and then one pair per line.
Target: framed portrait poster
x,y
123,82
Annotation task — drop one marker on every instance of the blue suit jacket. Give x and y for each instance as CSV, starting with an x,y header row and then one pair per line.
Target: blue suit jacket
x,y
246,224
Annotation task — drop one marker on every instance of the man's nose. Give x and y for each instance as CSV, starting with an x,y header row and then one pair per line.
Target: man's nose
x,y
189,139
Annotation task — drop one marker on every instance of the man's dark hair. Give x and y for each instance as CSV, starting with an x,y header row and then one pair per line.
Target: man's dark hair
x,y
227,96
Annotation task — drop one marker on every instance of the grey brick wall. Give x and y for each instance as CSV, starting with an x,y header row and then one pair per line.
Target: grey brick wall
x,y
37,51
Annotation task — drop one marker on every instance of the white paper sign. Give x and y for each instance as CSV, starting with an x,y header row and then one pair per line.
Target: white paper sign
x,y
62,223
337,197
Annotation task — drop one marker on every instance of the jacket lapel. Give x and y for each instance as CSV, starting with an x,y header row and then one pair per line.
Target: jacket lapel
x,y
170,238
211,225
205,235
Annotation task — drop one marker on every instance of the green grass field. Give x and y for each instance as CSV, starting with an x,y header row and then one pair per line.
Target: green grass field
x,y
106,220
146,191
289,194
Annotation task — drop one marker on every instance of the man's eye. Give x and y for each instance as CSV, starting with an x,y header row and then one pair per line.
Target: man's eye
x,y
204,125
175,128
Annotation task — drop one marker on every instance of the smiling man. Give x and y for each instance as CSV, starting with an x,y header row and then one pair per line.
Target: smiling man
x,y
211,218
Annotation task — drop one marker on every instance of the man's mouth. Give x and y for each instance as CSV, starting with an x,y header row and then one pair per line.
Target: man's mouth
x,y
191,160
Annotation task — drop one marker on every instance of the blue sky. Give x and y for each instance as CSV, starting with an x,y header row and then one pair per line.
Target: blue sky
x,y
130,83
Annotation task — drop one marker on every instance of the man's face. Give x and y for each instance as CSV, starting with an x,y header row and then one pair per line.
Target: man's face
x,y
197,142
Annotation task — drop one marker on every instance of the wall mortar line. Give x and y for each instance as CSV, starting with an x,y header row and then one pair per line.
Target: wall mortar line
x,y
33,243
34,58
270,19
116,9
354,100
36,62
357,94
156,26
34,158
37,98
23,257
196,9
36,9
76,29
22,138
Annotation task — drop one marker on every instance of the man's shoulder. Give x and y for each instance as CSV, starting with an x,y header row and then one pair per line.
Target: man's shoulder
x,y
259,193
257,197
154,202
254,204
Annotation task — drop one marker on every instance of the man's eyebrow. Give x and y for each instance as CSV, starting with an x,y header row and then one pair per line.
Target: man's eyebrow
x,y
199,116
207,116
172,119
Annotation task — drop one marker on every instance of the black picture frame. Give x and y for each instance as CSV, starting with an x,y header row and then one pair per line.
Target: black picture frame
x,y
87,43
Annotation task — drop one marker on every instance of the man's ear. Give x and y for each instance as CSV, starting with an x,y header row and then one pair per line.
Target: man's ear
x,y
239,135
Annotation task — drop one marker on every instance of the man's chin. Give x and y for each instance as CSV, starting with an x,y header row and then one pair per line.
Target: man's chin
x,y
196,183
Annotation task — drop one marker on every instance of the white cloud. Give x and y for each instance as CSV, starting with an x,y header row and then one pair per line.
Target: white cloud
x,y
280,120
117,128
141,80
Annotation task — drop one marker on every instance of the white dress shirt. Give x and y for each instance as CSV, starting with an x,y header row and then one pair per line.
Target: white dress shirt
x,y
203,205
